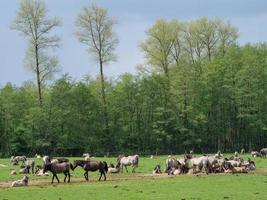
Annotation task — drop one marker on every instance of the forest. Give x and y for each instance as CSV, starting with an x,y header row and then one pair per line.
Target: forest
x,y
197,88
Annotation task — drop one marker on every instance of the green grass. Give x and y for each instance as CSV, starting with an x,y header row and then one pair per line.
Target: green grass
x,y
180,187
222,186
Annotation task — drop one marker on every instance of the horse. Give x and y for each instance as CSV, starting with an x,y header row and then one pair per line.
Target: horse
x,y
86,156
23,182
92,166
172,164
255,154
31,164
15,159
157,169
25,169
49,159
198,163
242,151
56,168
263,152
113,169
39,171
127,161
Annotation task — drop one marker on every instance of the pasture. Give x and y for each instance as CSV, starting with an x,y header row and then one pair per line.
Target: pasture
x,y
141,185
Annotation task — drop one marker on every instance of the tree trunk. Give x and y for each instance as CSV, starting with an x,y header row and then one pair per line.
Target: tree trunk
x,y
104,103
38,76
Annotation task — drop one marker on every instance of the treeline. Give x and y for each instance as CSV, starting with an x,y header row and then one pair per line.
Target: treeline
x,y
223,108
198,89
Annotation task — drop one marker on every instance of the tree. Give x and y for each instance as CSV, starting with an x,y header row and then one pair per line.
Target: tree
x,y
95,30
33,23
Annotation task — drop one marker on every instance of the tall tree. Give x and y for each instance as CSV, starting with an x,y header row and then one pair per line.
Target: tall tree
x,y
95,29
33,23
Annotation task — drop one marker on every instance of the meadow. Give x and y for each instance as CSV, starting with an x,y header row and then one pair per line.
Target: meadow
x,y
141,185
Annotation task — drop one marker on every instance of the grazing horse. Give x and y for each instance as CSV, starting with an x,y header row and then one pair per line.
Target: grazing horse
x,y
15,159
255,154
127,161
92,166
56,168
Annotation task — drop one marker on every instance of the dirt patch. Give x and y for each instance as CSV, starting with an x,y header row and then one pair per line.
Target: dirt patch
x,y
114,177
7,184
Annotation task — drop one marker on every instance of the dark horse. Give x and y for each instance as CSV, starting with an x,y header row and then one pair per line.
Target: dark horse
x,y
56,168
92,166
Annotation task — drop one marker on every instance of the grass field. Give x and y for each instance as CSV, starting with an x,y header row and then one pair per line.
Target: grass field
x,y
141,185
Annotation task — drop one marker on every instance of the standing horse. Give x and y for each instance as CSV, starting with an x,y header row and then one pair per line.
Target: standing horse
x,y
92,166
31,164
127,161
57,168
198,163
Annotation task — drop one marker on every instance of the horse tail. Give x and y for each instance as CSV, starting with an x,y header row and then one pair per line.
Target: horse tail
x,y
105,166
137,160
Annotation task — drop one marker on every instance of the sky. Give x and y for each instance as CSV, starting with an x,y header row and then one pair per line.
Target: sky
x,y
134,18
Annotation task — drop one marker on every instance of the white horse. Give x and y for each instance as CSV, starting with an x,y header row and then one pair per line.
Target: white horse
x,y
128,161
15,159
198,164
23,182
46,159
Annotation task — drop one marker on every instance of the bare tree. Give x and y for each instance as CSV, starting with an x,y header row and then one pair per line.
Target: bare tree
x,y
95,30
32,22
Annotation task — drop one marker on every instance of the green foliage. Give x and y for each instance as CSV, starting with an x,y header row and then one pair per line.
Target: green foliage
x,y
204,92
141,185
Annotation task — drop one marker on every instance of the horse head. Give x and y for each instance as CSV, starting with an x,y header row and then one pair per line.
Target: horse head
x,y
47,167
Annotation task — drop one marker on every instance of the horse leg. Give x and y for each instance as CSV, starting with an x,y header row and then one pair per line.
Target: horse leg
x,y
194,169
133,171
68,176
126,168
121,168
53,179
57,178
105,178
84,174
65,173
87,176
100,175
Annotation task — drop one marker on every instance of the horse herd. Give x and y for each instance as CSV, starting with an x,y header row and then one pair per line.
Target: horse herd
x,y
188,164
191,164
62,165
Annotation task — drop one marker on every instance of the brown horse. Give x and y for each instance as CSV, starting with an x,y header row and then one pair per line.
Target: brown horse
x,y
92,166
57,168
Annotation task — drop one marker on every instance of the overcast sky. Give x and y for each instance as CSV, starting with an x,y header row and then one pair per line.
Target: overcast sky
x,y
134,17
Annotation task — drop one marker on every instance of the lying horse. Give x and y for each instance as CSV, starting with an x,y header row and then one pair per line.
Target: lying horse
x,y
23,182
113,169
172,164
57,168
92,166
127,161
